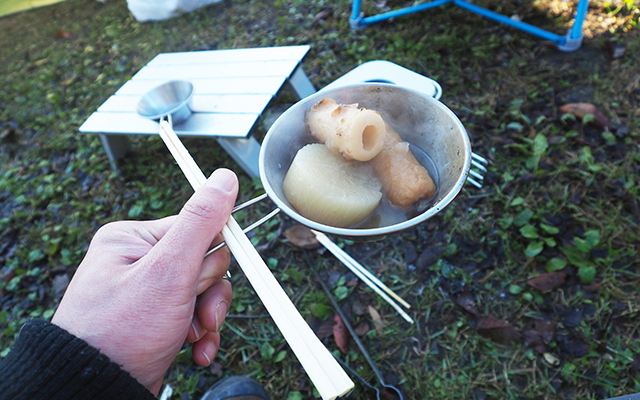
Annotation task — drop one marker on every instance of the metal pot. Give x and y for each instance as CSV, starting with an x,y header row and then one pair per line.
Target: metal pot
x,y
418,118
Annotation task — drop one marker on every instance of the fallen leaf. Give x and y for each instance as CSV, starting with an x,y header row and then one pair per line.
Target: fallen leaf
x,y
548,281
341,334
498,330
581,110
534,340
302,236
334,277
362,328
572,318
592,287
377,319
62,34
466,301
358,308
409,252
574,346
546,329
430,256
319,16
351,282
325,330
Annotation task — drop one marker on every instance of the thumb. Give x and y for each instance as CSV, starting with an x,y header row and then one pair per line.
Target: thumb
x,y
200,220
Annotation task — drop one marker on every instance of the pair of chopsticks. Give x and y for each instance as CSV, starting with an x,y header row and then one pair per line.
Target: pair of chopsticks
x,y
367,277
324,371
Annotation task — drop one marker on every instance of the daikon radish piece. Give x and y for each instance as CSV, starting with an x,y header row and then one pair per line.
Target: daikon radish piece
x,y
355,133
404,180
326,188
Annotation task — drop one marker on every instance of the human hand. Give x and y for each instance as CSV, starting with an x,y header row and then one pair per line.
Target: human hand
x,y
145,286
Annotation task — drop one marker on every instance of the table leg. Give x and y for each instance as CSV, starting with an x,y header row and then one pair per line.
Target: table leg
x,y
245,152
115,146
301,83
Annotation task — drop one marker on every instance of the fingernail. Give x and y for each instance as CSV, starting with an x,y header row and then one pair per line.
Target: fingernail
x,y
195,331
220,313
204,353
222,179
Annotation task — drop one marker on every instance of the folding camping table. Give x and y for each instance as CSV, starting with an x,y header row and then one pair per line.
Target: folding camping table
x,y
231,90
570,42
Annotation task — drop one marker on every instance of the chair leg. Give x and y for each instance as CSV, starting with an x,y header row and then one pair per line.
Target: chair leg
x,y
573,40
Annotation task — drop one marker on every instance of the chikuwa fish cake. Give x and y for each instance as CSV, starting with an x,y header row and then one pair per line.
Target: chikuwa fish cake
x,y
355,133
404,180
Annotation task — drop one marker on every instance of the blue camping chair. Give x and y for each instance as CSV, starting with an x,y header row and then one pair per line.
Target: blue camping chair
x,y
570,42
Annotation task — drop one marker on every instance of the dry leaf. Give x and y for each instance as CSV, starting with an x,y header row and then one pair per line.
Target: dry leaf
x,y
547,282
325,330
62,34
353,281
498,330
580,110
302,236
377,319
546,329
358,308
341,334
533,339
466,301
430,256
319,16
362,328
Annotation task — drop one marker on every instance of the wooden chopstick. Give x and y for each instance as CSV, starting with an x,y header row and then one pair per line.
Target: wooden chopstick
x,y
324,371
351,263
359,270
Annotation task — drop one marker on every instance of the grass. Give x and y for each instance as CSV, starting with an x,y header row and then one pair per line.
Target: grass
x,y
561,193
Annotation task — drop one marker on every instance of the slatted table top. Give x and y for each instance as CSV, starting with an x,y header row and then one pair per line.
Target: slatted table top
x,y
231,89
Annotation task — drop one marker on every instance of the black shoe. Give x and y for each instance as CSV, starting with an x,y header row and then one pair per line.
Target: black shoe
x,y
236,388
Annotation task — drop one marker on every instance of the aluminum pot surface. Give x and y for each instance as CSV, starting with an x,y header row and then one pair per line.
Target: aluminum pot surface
x,y
418,118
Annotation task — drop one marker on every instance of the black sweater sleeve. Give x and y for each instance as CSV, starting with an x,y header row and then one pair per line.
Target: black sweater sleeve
x,y
47,362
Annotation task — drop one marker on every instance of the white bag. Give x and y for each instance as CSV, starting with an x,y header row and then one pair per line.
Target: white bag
x,y
156,10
